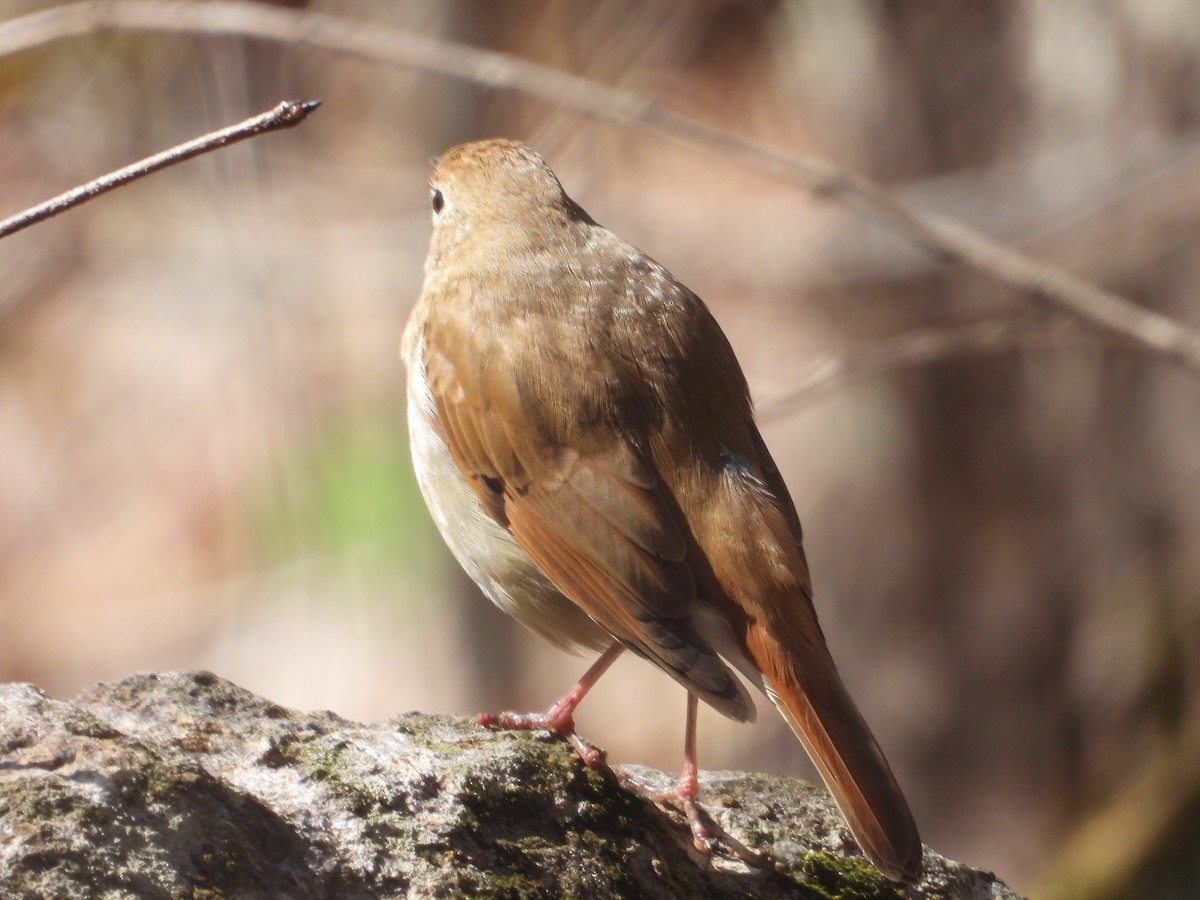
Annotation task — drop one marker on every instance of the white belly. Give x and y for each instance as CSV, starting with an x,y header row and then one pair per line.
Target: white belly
x,y
483,547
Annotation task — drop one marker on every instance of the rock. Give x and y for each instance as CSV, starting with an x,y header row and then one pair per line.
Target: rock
x,y
187,786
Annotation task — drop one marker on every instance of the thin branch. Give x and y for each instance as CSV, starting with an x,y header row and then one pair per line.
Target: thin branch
x,y
918,348
944,237
285,115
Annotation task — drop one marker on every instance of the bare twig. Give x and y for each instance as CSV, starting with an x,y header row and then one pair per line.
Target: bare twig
x,y
918,348
944,237
285,115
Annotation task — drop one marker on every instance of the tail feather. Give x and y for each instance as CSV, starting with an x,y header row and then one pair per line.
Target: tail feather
x,y
810,695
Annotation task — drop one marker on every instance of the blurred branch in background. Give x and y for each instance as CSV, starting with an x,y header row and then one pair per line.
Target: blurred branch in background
x,y
920,348
285,115
943,236
1139,844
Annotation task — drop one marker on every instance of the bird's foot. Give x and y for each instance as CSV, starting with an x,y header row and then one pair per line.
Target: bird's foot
x,y
681,797
560,719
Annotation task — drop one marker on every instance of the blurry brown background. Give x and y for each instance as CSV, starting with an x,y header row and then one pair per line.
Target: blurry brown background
x,y
203,461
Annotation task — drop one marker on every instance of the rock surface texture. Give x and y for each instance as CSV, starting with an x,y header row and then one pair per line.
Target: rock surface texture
x,y
187,786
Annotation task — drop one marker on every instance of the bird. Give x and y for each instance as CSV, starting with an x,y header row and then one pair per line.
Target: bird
x,y
583,436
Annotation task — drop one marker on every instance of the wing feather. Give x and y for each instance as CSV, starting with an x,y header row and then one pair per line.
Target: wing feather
x,y
591,514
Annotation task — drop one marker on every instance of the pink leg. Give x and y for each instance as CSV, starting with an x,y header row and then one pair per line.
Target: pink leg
x,y
689,787
683,796
560,718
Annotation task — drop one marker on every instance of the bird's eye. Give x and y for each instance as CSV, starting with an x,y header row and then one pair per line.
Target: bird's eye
x,y
437,201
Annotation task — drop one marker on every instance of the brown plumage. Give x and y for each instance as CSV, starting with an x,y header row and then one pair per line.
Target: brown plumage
x,y
584,438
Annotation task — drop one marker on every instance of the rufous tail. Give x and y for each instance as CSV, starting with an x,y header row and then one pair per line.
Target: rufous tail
x,y
808,691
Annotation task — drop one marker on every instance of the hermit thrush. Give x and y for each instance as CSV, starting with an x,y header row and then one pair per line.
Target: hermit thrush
x,y
583,436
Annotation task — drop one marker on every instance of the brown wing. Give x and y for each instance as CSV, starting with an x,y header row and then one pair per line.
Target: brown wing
x,y
582,503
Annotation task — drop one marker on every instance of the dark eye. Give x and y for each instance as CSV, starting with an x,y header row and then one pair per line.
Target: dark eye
x,y
437,201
